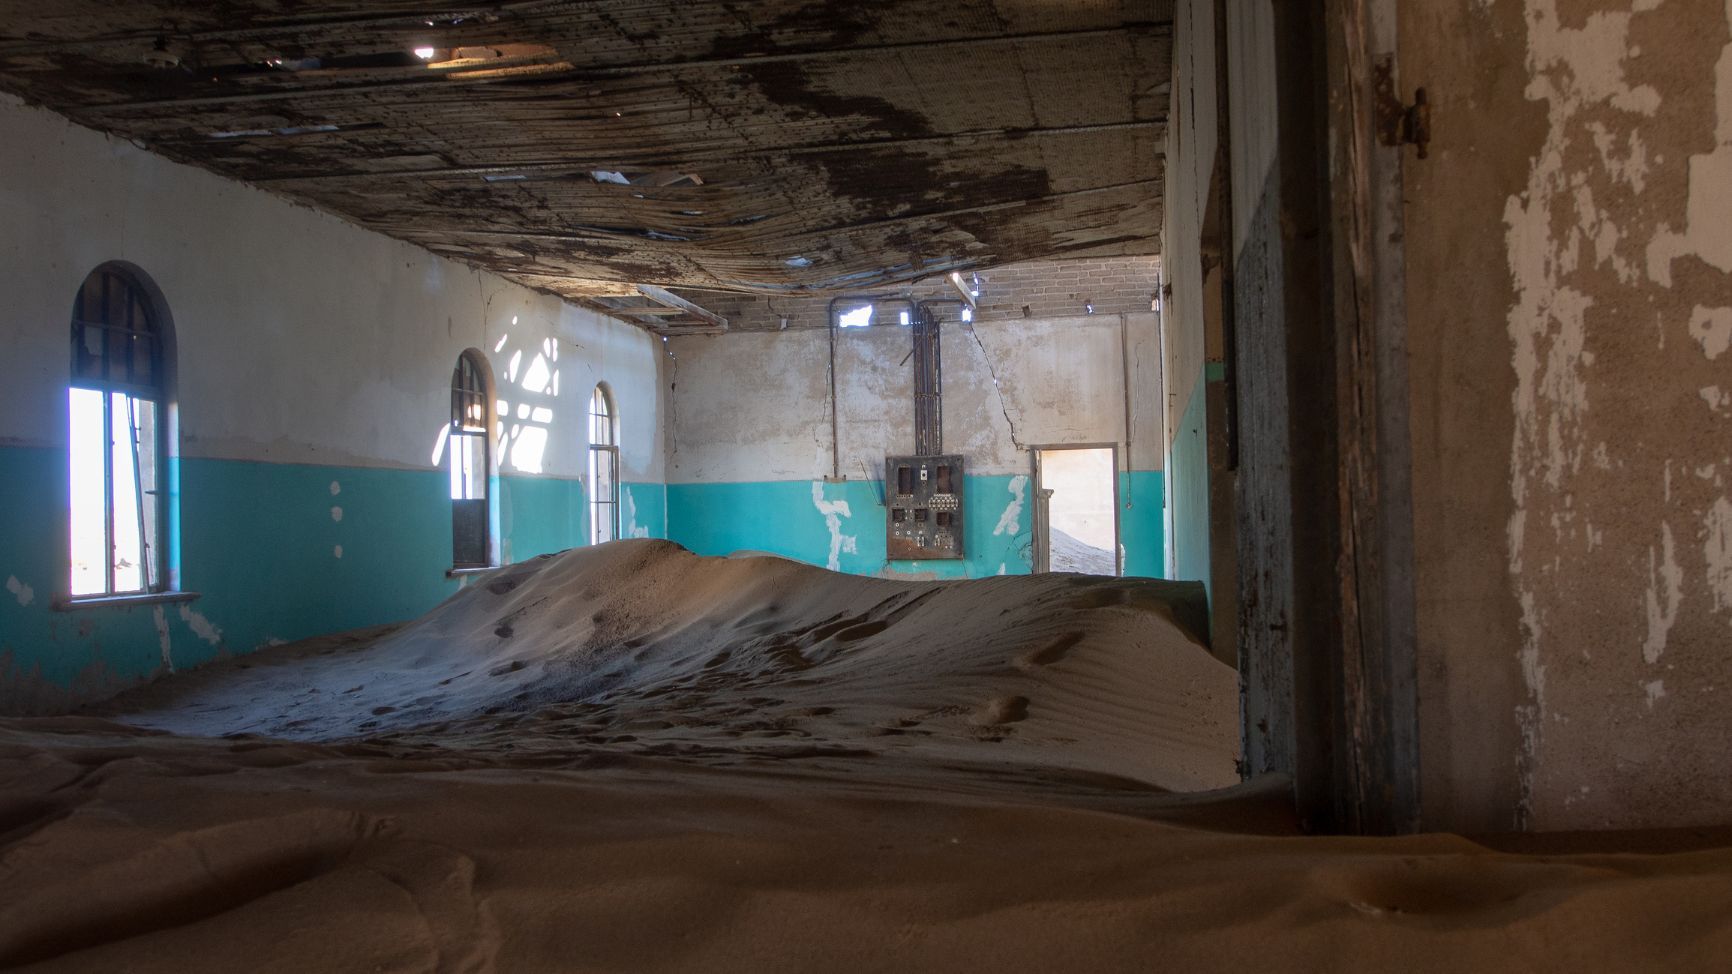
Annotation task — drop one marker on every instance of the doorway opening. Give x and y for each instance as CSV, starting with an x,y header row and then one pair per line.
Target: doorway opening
x,y
1077,509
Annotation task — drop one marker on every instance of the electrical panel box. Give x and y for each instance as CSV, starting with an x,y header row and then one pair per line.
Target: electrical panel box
x,y
924,497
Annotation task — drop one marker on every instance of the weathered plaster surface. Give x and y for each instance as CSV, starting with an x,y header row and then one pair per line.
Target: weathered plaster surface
x,y
748,415
755,406
1572,457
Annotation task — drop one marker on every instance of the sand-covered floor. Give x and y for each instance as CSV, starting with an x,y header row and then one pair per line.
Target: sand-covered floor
x,y
630,758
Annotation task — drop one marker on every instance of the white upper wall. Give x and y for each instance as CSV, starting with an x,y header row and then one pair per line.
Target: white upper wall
x,y
302,338
754,406
1192,140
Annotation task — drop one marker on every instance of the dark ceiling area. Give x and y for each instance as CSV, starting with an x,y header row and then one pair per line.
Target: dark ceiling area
x,y
585,147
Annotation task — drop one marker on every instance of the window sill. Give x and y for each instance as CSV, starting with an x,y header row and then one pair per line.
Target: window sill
x,y
72,604
460,572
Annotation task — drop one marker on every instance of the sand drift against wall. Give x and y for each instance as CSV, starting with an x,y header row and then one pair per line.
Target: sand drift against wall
x,y
633,758
645,646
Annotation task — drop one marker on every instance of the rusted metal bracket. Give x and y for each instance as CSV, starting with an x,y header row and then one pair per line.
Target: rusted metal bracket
x,y
1398,123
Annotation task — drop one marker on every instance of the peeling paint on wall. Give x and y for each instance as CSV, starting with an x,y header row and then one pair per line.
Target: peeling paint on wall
x,y
1717,552
201,627
1712,329
160,617
632,528
1665,590
1012,516
834,512
20,591
1609,401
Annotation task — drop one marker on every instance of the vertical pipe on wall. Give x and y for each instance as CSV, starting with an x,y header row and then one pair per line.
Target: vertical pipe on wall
x,y
928,389
835,425
1125,382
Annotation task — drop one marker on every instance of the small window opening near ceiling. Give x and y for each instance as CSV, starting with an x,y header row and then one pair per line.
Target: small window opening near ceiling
x,y
858,318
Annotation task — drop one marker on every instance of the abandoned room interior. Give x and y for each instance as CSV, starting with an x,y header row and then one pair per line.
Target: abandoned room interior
x,y
633,485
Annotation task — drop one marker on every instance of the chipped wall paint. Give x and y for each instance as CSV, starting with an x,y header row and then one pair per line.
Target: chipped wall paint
x,y
841,526
1570,470
736,450
1012,515
833,511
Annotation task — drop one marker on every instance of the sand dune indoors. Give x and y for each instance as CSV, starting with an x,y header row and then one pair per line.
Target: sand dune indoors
x,y
632,758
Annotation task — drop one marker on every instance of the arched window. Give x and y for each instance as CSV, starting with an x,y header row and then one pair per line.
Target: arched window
x,y
603,468
471,403
118,441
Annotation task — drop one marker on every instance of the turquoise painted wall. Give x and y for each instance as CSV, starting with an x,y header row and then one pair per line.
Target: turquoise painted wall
x,y
276,551
1142,522
643,510
793,519
539,515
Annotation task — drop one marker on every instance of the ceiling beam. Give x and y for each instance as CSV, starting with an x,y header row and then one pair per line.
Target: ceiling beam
x,y
623,70
440,231
728,155
665,297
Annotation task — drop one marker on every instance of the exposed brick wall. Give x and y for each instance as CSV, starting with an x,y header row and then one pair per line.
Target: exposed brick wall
x,y
1038,289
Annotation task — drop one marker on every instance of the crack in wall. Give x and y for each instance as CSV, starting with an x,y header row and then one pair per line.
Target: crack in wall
x,y
997,389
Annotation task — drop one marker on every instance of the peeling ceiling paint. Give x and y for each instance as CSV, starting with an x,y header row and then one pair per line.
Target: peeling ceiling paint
x,y
776,146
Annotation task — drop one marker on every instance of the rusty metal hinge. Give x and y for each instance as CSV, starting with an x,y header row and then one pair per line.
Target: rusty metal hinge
x,y
1398,123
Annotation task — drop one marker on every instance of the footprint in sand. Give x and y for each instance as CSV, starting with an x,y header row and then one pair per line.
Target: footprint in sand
x,y
1002,710
1051,652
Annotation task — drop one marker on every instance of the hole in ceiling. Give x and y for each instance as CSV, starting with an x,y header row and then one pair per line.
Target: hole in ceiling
x,y
286,130
658,179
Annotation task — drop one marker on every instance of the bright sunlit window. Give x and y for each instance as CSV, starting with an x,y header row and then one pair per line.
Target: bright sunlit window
x,y
469,446
116,409
857,318
603,468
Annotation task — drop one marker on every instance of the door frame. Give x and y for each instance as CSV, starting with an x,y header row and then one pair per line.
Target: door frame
x,y
1326,621
1041,553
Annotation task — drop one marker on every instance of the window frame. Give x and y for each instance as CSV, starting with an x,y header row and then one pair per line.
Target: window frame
x,y
610,449
139,296
471,389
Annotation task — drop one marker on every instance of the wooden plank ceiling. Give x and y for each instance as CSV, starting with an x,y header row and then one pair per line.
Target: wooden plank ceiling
x,y
585,146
